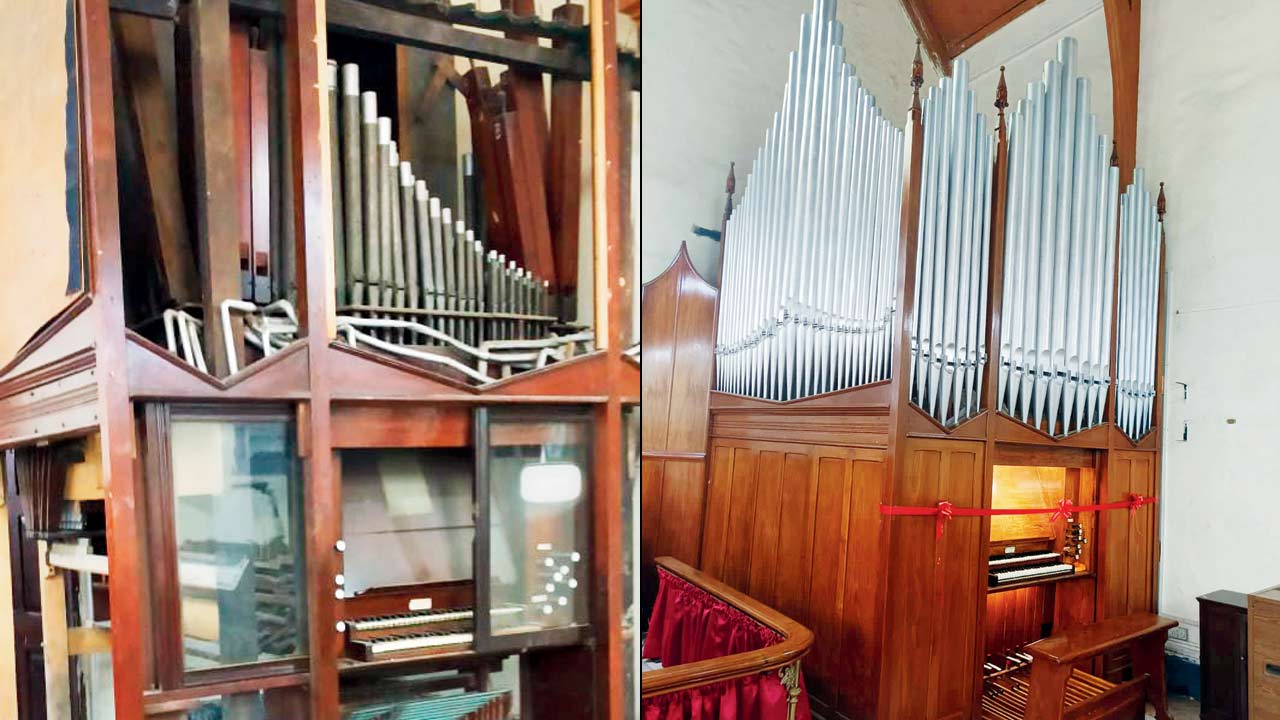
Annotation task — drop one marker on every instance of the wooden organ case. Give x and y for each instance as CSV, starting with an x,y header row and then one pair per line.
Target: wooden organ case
x,y
966,317
314,489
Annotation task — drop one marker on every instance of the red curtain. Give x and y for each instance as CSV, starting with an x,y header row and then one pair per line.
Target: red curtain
x,y
689,625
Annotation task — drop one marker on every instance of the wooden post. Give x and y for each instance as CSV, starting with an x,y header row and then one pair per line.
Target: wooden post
x,y
305,57
900,374
1124,35
115,412
607,234
53,625
8,646
217,215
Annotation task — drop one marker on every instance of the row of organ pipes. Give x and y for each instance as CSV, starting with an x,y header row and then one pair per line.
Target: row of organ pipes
x,y
411,277
808,290
808,297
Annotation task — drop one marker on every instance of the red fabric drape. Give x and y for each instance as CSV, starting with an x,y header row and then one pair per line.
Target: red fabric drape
x,y
689,625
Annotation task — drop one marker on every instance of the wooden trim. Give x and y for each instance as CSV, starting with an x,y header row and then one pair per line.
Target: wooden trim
x,y
673,455
53,624
796,640
162,550
955,48
8,640
169,700
52,328
88,640
934,45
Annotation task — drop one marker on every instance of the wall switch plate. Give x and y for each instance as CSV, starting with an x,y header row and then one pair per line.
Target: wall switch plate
x,y
1179,633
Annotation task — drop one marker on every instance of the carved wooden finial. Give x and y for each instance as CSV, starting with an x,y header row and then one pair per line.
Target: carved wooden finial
x,y
730,183
1160,203
1002,93
1115,155
917,69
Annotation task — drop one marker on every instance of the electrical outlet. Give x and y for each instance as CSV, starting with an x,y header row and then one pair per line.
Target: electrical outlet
x,y
1179,633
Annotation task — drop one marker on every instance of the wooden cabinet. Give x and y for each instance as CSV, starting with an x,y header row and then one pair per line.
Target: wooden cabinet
x,y
1224,685
1264,654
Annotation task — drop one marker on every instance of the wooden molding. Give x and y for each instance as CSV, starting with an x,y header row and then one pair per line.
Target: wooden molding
x,y
1124,35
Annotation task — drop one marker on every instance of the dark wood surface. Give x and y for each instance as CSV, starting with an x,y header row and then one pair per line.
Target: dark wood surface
x,y
1091,640
1224,650
948,28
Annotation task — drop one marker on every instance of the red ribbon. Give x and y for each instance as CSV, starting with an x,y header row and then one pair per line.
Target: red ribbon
x,y
945,510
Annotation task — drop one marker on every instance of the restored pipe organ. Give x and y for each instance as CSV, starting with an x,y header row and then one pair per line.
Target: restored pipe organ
x,y
918,330
315,419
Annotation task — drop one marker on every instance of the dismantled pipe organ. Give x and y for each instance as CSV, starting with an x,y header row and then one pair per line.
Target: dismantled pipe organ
x,y
412,278
808,266
1059,256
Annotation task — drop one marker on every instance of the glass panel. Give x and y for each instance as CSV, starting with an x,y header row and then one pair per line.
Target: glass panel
x,y
407,517
238,525
288,702
539,472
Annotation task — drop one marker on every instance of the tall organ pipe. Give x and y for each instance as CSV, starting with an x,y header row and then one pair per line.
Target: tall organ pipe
x,y
1138,305
808,252
1059,226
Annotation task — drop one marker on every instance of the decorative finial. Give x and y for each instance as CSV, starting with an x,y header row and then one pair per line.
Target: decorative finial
x,y
730,183
1002,93
917,69
1160,203
1115,155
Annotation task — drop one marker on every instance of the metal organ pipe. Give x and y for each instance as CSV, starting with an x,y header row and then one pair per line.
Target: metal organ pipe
x,y
1059,256
1138,301
952,259
807,292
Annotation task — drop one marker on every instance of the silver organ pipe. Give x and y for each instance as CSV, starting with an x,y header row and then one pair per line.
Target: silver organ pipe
x,y
1059,256
948,342
1138,307
807,287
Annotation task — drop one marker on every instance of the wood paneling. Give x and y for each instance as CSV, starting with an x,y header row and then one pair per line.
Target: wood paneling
x,y
1018,617
794,526
949,28
1127,540
804,426
678,325
931,616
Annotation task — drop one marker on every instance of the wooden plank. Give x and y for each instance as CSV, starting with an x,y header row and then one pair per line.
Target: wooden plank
x,y
53,623
795,535
88,640
564,164
217,192
8,640
830,543
764,538
259,161
1124,39
157,141
683,490
741,519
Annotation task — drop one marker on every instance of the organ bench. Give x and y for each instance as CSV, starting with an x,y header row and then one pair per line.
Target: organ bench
x,y
1060,689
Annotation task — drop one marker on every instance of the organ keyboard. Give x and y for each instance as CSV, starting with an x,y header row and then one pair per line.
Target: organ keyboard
x,y
415,634
1023,566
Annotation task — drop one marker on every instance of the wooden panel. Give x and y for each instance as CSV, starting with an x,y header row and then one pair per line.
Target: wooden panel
x,y
930,623
1127,567
1018,486
949,28
1017,617
678,322
9,673
796,526
359,425
802,426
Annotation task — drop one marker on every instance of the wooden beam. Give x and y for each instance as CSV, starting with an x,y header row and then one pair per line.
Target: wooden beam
x,y
53,626
935,46
76,558
8,645
1124,35
217,216
102,231
88,641
157,142
606,496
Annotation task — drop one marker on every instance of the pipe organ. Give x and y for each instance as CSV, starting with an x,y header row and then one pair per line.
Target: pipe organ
x,y
917,328
1141,236
1059,255
808,266
948,332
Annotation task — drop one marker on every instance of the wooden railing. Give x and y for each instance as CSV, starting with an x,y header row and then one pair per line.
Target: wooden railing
x,y
781,656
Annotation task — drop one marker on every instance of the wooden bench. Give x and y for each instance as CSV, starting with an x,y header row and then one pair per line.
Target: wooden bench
x,y
1055,659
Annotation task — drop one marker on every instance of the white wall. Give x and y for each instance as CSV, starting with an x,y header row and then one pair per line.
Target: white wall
x,y
1207,108
714,72
1029,40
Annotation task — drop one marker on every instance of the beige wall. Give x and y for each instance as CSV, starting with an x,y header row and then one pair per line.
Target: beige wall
x,y
33,178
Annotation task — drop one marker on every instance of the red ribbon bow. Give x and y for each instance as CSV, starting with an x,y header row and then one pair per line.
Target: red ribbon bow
x,y
944,514
1065,508
1137,500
